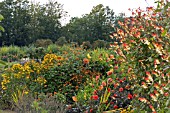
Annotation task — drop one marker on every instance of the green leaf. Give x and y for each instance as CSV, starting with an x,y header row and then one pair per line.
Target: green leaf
x,y
166,7
2,29
1,17
158,10
2,62
164,33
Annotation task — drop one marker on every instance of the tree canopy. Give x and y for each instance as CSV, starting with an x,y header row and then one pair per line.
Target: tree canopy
x,y
25,22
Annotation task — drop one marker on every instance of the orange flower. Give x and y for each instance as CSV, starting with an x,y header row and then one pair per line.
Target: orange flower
x,y
109,73
156,92
154,34
74,98
156,86
147,79
59,58
100,87
152,108
126,46
86,61
153,97
137,35
143,99
144,85
55,93
111,57
120,32
156,61
120,23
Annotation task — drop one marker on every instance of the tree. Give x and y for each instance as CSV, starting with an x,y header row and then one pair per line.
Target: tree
x,y
90,27
16,18
25,22
50,20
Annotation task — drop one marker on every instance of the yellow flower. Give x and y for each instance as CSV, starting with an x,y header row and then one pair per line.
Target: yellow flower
x,y
88,56
26,92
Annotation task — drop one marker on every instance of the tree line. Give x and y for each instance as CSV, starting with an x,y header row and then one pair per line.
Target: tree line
x,y
24,22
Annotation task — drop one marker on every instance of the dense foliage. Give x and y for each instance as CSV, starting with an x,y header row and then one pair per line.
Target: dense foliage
x,y
131,75
25,22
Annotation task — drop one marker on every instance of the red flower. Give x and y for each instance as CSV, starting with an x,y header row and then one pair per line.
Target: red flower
x,y
154,34
124,78
115,85
115,107
166,94
116,67
152,108
133,13
97,78
120,81
111,102
91,110
130,96
153,97
95,97
156,86
109,89
103,83
109,73
156,93
148,73
143,100
121,89
120,32
115,95
137,35
147,79
95,92
109,80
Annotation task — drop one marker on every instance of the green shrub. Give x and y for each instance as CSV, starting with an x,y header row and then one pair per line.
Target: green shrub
x,y
43,42
61,41
99,44
10,53
52,48
86,45
144,57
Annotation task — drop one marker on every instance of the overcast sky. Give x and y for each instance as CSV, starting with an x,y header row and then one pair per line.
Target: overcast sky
x,y
79,7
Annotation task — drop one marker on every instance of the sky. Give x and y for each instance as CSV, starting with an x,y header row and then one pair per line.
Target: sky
x,y
76,8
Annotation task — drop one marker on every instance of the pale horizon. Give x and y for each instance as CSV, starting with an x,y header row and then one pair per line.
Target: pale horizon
x,y
77,8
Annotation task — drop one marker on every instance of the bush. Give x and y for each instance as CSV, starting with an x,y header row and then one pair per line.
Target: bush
x,y
52,48
144,56
99,44
86,45
61,41
10,53
43,42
